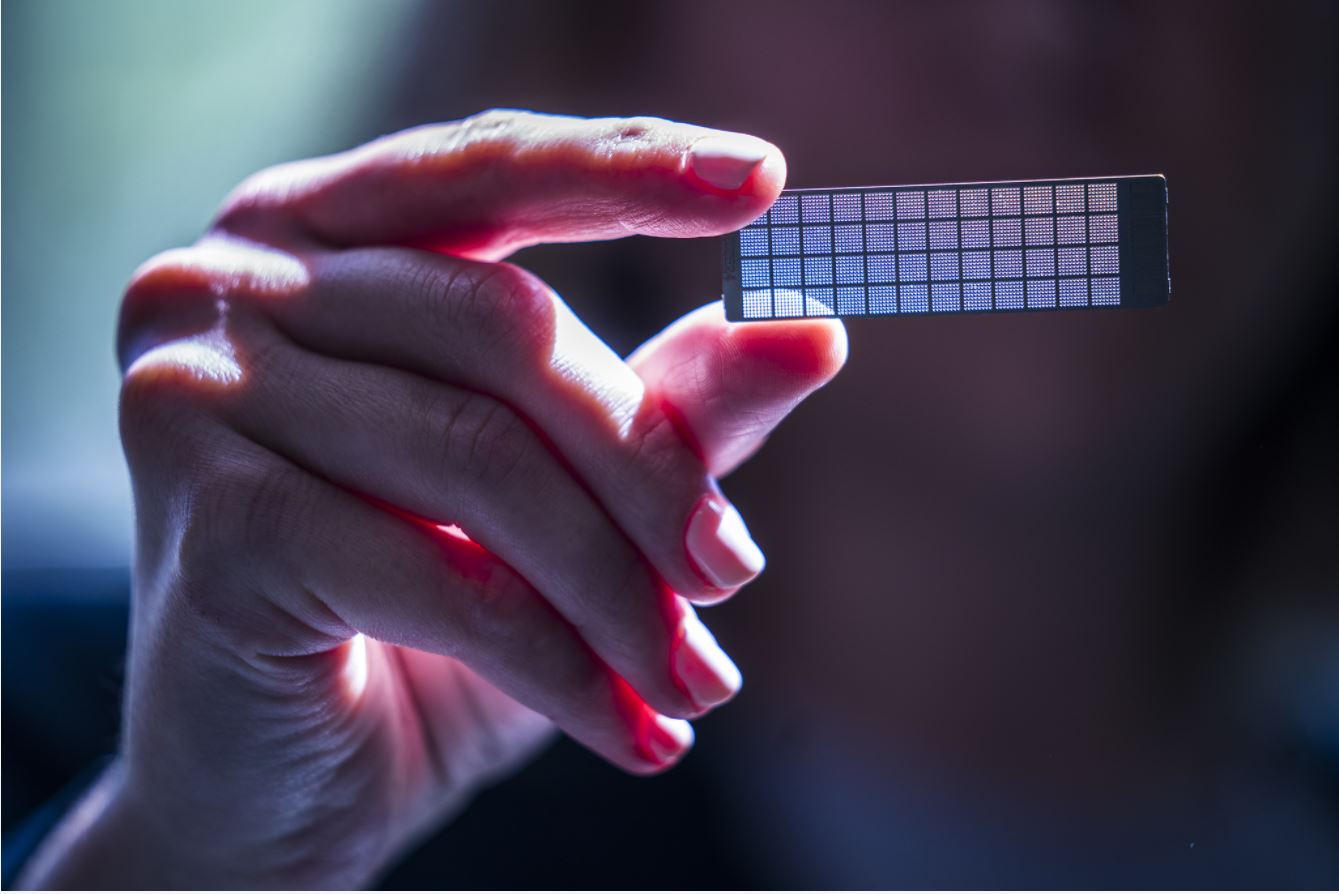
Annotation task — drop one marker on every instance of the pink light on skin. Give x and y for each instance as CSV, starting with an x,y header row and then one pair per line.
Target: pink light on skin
x,y
354,672
456,532
658,740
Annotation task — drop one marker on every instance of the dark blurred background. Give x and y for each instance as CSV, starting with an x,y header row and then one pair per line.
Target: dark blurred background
x,y
1052,600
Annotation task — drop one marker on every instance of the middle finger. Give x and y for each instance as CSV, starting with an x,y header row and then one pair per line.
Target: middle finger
x,y
499,330
450,455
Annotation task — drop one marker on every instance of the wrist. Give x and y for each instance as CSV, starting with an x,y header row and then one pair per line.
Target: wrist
x,y
92,845
113,838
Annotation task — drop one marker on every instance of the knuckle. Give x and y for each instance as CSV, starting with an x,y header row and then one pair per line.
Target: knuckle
x,y
231,570
495,615
489,136
269,362
443,308
204,530
169,272
481,440
251,206
507,617
625,600
635,129
642,648
198,377
218,267
184,292
503,310
634,591
617,587
508,287
243,505
162,405
274,501
148,399
663,462
490,121
566,668
162,287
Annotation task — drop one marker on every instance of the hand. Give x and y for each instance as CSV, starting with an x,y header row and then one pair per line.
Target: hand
x,y
321,669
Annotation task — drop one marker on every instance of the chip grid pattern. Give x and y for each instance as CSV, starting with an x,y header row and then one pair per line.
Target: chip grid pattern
x,y
1027,245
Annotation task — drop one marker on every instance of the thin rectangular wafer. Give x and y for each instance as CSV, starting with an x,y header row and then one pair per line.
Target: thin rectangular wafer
x,y
952,248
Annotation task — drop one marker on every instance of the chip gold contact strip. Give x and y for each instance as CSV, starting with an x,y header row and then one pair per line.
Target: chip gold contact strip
x,y
952,248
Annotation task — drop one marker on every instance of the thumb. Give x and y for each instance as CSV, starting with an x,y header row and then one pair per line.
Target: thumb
x,y
730,384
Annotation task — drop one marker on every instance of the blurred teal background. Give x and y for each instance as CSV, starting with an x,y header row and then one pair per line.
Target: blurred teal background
x,y
124,125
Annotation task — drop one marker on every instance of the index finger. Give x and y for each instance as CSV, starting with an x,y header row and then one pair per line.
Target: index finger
x,y
488,185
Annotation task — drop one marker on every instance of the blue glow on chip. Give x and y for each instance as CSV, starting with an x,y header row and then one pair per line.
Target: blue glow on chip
x,y
952,248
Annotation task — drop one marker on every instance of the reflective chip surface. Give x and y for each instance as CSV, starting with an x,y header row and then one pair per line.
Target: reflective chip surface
x,y
952,248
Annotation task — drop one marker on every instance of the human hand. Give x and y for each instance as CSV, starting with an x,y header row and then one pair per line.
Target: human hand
x,y
320,672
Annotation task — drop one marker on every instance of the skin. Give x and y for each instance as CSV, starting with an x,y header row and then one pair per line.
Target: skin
x,y
320,672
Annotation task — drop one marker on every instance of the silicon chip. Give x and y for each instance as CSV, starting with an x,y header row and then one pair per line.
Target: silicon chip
x,y
952,248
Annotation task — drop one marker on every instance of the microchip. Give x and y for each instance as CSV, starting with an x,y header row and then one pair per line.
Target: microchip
x,y
952,248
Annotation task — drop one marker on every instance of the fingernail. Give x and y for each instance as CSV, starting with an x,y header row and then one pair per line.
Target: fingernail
x,y
670,738
720,545
726,161
705,671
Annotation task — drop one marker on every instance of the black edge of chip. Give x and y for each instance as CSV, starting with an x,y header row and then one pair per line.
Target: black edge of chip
x,y
1142,204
